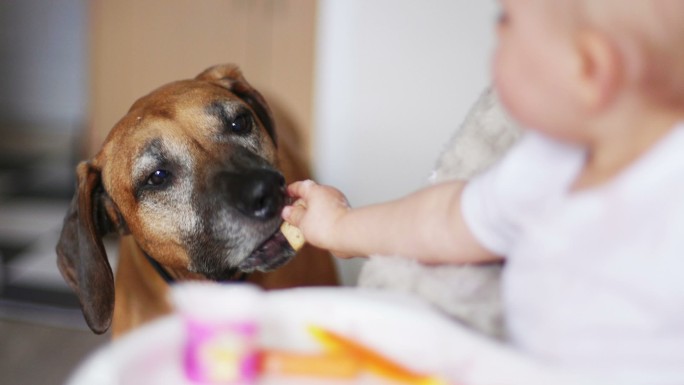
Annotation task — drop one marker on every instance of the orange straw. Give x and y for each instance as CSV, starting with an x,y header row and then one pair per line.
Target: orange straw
x,y
334,365
374,362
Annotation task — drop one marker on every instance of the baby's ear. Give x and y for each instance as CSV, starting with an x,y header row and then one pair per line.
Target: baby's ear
x,y
600,68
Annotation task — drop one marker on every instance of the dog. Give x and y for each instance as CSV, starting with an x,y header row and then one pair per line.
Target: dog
x,y
193,181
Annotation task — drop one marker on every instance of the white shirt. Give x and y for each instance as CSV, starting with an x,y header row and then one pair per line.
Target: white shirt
x,y
594,280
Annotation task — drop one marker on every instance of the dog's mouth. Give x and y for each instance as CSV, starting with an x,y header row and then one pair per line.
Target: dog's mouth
x,y
273,253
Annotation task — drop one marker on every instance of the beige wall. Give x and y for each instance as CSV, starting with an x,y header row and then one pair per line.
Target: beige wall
x,y
138,45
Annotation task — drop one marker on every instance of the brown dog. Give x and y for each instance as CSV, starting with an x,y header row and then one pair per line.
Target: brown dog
x,y
191,179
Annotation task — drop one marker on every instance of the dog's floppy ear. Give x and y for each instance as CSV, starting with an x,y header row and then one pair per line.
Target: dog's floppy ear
x,y
81,256
230,77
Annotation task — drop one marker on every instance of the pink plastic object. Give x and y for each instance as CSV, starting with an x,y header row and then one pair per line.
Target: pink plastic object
x,y
222,326
221,353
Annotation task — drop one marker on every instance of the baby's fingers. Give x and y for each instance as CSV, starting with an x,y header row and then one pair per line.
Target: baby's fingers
x,y
301,189
294,214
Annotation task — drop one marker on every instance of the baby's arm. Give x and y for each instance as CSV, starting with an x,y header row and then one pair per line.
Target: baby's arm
x,y
426,225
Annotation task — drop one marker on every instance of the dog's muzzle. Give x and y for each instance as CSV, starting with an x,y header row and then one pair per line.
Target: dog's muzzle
x,y
270,255
257,194
260,194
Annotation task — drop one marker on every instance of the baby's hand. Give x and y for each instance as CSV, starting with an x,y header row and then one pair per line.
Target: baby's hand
x,y
315,212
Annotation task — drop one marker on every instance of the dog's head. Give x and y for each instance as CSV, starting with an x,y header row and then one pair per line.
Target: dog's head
x,y
191,173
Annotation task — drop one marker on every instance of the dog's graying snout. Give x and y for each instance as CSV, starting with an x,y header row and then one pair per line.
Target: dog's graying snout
x,y
258,194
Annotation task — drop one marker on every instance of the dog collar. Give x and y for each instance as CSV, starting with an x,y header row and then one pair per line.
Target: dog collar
x,y
160,270
170,280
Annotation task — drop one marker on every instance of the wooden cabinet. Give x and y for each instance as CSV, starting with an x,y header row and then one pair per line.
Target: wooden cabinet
x,y
138,45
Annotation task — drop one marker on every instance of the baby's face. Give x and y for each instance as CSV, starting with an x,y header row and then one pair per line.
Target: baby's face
x,y
534,65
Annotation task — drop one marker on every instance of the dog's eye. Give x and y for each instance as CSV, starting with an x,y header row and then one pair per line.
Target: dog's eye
x,y
158,178
241,125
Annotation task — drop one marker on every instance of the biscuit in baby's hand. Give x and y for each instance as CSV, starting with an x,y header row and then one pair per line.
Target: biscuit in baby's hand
x,y
293,235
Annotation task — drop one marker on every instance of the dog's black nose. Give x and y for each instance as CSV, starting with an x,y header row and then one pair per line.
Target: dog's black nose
x,y
258,194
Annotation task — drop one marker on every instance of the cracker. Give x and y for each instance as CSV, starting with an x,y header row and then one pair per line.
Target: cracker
x,y
293,235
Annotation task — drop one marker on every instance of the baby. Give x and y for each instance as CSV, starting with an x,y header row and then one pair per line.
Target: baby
x,y
587,209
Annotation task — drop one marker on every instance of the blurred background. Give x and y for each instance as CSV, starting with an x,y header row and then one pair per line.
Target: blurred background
x,y
376,88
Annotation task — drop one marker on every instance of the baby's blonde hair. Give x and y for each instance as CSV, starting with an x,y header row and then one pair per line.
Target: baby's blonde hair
x,y
650,35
